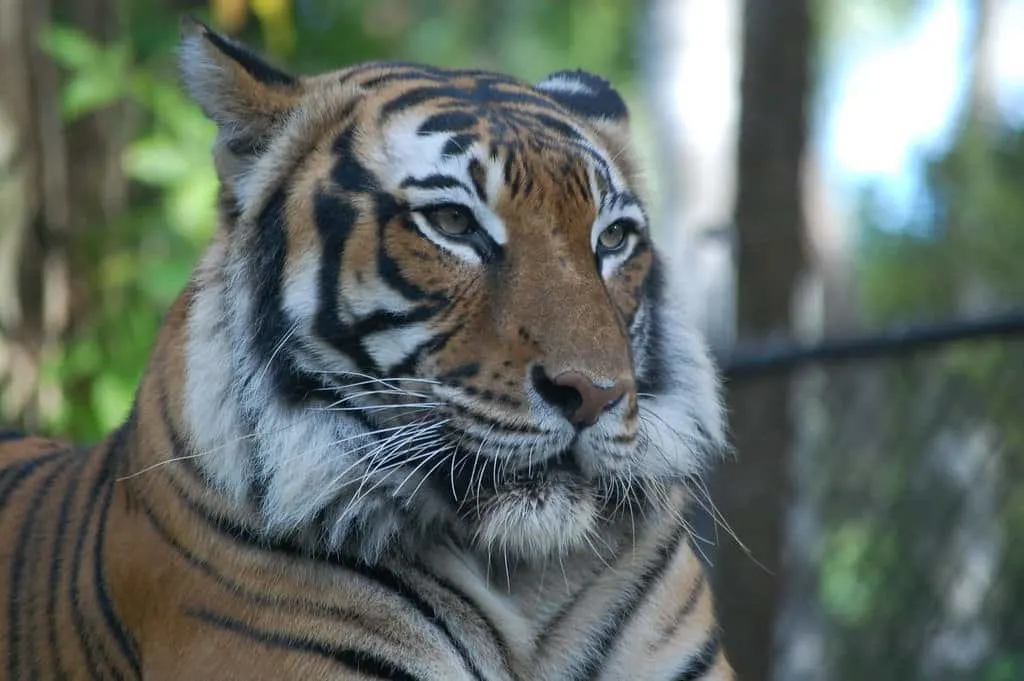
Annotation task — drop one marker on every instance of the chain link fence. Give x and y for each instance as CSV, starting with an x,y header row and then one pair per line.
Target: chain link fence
x,y
902,558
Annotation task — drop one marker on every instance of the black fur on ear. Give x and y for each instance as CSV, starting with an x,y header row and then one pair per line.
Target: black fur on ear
x,y
247,97
587,95
597,104
233,85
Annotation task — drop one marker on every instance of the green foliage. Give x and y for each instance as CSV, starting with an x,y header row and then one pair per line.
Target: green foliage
x,y
142,262
850,579
971,238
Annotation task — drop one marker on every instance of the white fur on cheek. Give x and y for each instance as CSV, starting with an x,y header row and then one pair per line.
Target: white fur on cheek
x,y
392,346
210,407
684,424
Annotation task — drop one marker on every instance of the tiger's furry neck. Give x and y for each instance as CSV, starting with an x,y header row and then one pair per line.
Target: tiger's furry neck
x,y
280,464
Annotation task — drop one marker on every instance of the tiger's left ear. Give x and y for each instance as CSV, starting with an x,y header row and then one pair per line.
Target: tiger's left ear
x,y
248,98
594,100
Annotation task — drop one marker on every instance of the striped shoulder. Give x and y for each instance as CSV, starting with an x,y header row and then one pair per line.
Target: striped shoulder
x,y
16,446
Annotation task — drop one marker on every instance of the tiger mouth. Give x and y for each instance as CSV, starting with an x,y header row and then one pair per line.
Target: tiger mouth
x,y
491,476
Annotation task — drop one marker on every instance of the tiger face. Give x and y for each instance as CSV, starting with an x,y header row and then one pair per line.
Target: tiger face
x,y
434,307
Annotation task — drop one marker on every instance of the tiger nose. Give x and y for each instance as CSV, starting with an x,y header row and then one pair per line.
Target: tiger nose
x,y
577,396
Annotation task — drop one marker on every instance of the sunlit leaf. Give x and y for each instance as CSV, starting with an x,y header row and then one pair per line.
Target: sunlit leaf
x,y
97,83
191,209
112,399
69,47
157,160
846,592
164,280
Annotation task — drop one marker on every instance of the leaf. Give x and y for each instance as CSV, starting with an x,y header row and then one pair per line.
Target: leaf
x,y
69,47
112,399
164,280
97,83
157,160
192,208
88,93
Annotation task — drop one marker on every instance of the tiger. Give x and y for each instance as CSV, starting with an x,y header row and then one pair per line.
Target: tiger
x,y
427,408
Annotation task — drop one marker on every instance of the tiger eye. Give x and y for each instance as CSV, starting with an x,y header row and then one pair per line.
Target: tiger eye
x,y
613,236
451,220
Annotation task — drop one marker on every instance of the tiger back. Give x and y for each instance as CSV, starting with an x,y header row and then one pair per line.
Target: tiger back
x,y
427,408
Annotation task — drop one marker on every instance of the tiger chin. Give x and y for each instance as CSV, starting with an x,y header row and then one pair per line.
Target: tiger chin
x,y
426,409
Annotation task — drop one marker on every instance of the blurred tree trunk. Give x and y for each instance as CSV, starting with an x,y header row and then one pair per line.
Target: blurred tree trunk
x,y
58,184
691,63
753,493
690,55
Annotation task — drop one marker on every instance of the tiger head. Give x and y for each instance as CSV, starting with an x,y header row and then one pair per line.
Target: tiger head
x,y
433,306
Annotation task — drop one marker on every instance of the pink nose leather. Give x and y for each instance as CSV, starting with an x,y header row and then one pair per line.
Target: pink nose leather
x,y
593,399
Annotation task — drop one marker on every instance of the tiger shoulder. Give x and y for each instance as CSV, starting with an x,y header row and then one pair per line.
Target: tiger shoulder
x,y
426,409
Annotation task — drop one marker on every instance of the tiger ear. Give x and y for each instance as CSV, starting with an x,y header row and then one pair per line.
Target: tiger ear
x,y
248,98
595,101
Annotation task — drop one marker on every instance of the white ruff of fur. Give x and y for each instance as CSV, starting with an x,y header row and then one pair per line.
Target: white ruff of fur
x,y
308,455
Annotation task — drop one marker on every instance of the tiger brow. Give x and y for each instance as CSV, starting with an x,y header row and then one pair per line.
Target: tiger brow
x,y
435,181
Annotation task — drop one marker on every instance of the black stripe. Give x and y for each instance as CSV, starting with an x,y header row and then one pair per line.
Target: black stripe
x,y
432,615
267,258
15,474
512,93
402,72
478,175
492,629
280,603
494,422
578,180
248,60
408,365
435,181
348,173
380,575
85,630
16,590
459,144
391,273
606,104
619,617
180,452
335,219
467,370
268,320
669,630
656,373
702,662
418,96
513,178
561,127
447,122
357,660
57,562
247,145
128,647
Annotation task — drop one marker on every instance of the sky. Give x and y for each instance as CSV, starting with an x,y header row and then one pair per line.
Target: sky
x,y
892,101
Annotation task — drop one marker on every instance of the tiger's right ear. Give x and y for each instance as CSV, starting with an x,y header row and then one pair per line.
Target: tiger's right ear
x,y
248,98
